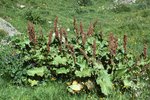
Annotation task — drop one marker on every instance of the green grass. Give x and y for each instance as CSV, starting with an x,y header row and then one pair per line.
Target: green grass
x,y
50,91
135,23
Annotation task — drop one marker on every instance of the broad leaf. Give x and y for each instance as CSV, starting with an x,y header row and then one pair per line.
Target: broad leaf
x,y
33,82
76,87
104,81
127,83
84,73
60,60
61,70
38,71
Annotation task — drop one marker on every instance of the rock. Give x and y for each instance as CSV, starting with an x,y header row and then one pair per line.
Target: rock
x,y
8,28
124,1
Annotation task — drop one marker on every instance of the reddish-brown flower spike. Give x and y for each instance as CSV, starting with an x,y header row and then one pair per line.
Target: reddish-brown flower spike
x,y
31,32
61,33
74,22
110,46
125,43
60,39
40,31
90,30
56,28
94,48
94,24
71,48
75,27
113,44
83,38
145,51
55,23
49,40
84,54
101,35
66,37
81,28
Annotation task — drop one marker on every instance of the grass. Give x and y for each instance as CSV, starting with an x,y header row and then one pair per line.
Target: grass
x,y
50,91
133,22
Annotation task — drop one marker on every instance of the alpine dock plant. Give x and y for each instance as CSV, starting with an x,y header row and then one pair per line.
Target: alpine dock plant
x,y
86,57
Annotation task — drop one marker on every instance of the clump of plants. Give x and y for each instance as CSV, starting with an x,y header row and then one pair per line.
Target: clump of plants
x,y
88,61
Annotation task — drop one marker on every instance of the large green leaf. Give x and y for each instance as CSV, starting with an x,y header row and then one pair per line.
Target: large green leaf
x,y
36,71
33,82
105,82
127,83
120,72
98,66
61,70
59,60
84,73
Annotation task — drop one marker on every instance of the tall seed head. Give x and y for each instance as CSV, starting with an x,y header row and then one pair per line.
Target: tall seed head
x,y
66,37
31,32
145,51
90,30
56,28
49,40
81,28
113,44
94,48
75,27
125,43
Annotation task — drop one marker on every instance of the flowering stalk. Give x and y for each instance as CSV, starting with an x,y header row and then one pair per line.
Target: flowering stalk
x,y
31,33
145,51
83,38
101,36
40,31
66,37
125,43
60,40
81,28
94,48
94,24
113,44
56,28
71,49
90,30
75,27
84,54
49,40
